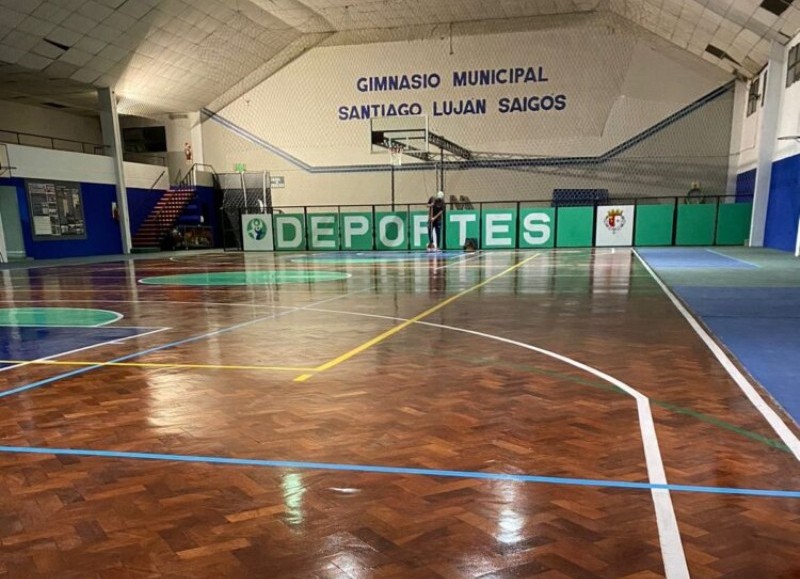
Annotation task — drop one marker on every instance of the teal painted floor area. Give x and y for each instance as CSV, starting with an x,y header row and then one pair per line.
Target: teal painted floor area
x,y
54,316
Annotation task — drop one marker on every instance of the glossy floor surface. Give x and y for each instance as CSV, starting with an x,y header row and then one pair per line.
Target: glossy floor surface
x,y
506,414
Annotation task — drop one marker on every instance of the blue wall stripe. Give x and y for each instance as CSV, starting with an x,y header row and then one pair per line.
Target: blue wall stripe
x,y
783,209
522,478
483,163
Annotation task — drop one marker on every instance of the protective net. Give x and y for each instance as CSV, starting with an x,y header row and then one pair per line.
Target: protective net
x,y
242,192
567,109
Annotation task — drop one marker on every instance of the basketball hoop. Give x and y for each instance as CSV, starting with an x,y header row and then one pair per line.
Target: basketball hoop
x,y
396,155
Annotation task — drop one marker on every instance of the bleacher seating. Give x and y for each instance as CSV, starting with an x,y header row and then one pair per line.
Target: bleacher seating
x,y
578,197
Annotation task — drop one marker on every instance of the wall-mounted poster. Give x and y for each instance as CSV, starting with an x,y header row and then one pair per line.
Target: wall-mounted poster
x,y
56,210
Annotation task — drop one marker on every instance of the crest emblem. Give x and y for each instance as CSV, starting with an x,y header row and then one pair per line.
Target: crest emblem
x,y
614,220
256,229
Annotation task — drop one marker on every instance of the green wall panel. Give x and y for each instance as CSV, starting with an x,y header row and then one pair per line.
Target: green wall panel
x,y
391,230
654,225
696,224
575,227
461,225
733,223
418,229
323,231
356,230
289,231
536,227
499,229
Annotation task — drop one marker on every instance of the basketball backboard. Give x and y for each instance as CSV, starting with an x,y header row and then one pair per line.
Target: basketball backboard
x,y
409,132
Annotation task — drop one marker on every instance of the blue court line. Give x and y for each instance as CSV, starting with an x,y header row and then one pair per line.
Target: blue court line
x,y
79,371
523,478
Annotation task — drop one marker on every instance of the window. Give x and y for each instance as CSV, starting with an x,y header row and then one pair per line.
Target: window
x,y
752,97
793,66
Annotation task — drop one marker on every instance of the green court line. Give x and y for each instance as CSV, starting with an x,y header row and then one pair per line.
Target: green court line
x,y
773,443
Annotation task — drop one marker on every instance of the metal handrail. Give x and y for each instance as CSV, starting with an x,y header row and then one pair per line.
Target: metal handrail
x,y
153,186
190,178
93,147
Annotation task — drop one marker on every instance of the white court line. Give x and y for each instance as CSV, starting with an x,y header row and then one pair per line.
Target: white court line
x,y
76,350
753,265
669,536
780,428
460,261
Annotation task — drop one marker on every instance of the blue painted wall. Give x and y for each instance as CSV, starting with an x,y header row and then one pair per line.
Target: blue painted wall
x,y
745,186
784,204
140,204
102,231
207,204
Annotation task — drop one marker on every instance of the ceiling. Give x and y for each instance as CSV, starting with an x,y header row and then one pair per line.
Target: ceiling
x,y
182,55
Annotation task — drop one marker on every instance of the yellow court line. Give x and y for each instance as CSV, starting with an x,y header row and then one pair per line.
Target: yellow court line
x,y
156,365
392,331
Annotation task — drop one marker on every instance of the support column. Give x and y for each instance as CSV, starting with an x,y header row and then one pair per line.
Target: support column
x,y
739,110
112,139
767,139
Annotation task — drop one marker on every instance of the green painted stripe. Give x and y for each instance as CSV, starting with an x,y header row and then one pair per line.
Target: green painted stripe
x,y
771,442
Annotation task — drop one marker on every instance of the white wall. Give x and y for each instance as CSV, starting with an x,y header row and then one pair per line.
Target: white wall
x,y
143,176
789,123
618,80
15,117
788,120
37,163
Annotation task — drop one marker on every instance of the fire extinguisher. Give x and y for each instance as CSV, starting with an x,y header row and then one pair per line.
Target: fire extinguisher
x,y
114,211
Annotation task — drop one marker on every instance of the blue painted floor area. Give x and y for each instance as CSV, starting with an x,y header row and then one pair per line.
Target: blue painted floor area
x,y
691,258
743,302
761,327
27,343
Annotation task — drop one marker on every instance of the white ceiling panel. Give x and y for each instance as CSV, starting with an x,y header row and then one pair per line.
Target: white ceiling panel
x,y
27,7
76,56
95,11
181,55
33,61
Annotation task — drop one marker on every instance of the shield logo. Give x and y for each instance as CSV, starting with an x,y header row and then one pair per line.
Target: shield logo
x,y
615,220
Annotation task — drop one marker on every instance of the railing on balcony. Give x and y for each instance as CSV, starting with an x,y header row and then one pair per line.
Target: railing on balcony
x,y
49,142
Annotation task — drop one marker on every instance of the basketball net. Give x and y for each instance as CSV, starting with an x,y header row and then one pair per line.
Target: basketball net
x,y
396,155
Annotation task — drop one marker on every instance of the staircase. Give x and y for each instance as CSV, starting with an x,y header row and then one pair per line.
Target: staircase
x,y
162,218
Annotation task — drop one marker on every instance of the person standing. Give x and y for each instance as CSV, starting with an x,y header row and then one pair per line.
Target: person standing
x,y
436,221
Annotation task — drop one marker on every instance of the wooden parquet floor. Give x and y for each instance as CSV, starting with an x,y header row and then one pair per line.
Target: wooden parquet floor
x,y
426,397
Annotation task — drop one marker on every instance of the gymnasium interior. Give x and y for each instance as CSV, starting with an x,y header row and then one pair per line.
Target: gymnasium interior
x,y
399,289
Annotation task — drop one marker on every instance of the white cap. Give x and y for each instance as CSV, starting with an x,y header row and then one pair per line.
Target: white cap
x,y
440,194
